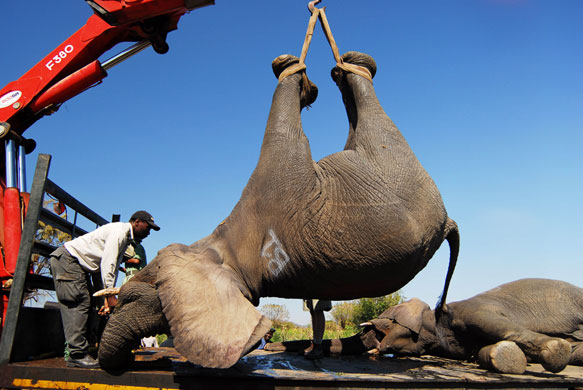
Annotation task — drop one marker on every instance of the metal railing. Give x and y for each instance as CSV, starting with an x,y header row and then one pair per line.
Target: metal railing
x,y
23,279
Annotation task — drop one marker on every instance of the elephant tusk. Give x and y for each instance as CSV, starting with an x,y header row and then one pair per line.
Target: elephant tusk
x,y
366,324
107,292
373,351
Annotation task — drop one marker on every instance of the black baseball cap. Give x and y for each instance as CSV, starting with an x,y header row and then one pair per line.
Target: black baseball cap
x,y
146,217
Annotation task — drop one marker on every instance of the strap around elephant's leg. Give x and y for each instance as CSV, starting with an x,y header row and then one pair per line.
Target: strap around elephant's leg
x,y
300,66
293,69
356,69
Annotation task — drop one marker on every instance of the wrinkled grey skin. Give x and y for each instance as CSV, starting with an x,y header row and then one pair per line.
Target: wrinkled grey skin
x,y
361,222
543,318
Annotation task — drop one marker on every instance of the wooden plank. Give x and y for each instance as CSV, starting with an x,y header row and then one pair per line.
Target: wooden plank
x,y
40,281
42,248
53,189
165,368
62,224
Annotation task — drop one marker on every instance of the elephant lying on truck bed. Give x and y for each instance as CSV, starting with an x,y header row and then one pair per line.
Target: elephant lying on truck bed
x,y
360,222
539,318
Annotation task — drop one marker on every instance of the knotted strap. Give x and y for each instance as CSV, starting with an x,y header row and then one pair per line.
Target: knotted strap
x,y
295,68
319,13
307,40
356,69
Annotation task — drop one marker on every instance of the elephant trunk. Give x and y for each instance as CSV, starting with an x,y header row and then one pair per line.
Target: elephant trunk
x,y
138,314
354,345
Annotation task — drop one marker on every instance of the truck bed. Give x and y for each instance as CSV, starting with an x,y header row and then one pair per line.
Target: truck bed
x,y
164,368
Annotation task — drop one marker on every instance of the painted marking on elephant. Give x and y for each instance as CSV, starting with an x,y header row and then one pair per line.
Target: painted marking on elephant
x,y
278,259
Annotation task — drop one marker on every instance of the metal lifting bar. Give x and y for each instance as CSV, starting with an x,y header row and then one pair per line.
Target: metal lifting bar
x,y
11,178
124,55
21,167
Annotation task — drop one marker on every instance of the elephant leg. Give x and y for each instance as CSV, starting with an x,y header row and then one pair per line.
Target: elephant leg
x,y
354,345
372,134
285,151
552,353
288,346
504,356
576,353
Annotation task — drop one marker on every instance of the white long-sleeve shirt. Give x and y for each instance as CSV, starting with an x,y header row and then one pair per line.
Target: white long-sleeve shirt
x,y
102,249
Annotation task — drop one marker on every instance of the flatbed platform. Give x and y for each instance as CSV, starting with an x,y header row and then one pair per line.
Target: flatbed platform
x,y
164,368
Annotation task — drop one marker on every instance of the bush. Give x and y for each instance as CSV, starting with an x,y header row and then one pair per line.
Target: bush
x,y
353,313
160,338
347,317
366,309
342,313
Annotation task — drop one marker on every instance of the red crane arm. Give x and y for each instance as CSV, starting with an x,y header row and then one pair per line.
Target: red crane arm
x,y
73,67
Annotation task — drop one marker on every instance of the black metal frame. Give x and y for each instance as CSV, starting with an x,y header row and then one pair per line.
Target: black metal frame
x,y
28,246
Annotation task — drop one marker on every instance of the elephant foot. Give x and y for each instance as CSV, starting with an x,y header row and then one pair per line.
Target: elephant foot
x,y
274,347
309,90
355,58
504,357
555,354
576,354
283,62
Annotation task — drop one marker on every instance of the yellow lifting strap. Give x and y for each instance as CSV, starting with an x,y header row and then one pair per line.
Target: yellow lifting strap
x,y
319,13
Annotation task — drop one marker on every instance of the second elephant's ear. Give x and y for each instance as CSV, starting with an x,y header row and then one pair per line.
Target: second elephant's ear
x,y
408,314
212,322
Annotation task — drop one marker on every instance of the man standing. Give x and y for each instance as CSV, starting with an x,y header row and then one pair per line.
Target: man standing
x,y
134,260
99,251
316,308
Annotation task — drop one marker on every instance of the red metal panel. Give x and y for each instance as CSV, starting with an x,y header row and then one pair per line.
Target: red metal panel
x,y
12,228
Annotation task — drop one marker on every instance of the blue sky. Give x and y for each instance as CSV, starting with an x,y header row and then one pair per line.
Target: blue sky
x,y
487,92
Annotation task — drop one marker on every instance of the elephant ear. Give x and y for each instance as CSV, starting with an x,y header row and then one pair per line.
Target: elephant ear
x,y
212,322
408,314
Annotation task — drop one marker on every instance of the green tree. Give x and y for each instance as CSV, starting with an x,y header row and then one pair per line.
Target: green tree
x,y
368,308
278,314
342,313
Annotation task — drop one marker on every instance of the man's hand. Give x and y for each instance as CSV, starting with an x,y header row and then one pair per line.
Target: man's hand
x,y
104,311
108,306
110,301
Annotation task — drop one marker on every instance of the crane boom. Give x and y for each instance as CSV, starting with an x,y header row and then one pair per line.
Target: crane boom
x,y
73,66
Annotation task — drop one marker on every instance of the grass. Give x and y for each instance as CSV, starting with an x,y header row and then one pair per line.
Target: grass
x,y
289,331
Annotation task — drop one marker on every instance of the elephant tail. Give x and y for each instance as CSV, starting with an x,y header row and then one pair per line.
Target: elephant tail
x,y
452,236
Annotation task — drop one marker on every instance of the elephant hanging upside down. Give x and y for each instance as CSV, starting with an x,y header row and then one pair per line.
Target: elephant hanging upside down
x,y
539,318
360,222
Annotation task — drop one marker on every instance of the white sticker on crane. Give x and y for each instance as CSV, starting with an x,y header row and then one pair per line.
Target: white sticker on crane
x,y
10,98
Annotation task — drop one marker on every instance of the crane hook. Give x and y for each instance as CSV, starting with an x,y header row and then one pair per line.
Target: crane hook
x,y
312,5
